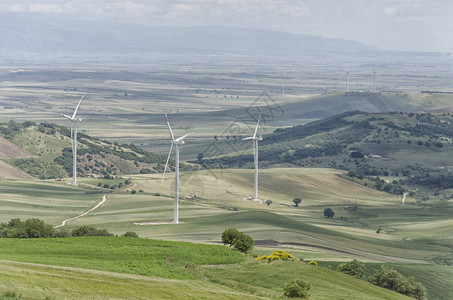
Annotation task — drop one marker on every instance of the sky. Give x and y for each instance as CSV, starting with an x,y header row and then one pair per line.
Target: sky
x,y
407,25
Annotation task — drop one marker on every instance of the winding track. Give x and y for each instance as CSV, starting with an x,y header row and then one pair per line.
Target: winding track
x,y
63,223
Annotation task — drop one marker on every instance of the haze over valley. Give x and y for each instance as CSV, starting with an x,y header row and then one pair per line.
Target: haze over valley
x,y
129,141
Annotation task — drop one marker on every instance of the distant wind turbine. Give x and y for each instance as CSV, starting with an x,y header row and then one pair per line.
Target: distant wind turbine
x,y
177,142
255,140
374,80
74,121
347,78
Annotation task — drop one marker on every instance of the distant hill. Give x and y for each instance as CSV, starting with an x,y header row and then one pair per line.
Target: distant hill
x,y
306,110
44,151
378,144
38,33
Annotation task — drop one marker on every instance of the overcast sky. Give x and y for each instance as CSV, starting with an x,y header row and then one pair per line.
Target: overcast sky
x,y
414,25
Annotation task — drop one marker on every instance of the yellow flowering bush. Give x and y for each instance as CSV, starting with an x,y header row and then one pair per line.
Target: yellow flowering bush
x,y
282,255
312,262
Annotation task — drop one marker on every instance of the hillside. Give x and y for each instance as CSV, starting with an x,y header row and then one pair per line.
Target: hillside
x,y
394,144
155,268
44,151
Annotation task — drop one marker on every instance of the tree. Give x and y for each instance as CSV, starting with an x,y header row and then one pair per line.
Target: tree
x,y
391,279
200,157
268,202
297,201
36,228
356,154
229,235
243,242
352,268
328,213
130,234
297,288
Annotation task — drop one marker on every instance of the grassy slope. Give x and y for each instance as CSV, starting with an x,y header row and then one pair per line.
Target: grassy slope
x,y
302,231
160,259
51,201
267,280
123,255
33,281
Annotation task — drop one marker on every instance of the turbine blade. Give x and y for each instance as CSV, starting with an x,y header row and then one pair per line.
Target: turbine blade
x,y
77,108
72,128
166,164
180,139
257,123
66,116
248,138
169,128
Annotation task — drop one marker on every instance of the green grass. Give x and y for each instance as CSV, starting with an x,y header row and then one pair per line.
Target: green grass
x,y
267,280
32,281
302,231
116,254
65,267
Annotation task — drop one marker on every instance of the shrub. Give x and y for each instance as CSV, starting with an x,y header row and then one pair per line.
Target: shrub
x,y
328,213
353,268
89,231
133,192
268,202
391,279
243,242
277,255
297,288
36,228
31,228
229,235
312,262
130,234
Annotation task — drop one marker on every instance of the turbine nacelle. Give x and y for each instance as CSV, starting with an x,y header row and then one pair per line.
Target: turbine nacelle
x,y
180,143
73,118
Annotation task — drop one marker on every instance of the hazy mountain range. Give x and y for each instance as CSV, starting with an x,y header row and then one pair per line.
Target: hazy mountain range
x,y
38,33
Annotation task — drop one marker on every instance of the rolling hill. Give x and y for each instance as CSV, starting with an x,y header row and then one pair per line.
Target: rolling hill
x,y
414,147
44,151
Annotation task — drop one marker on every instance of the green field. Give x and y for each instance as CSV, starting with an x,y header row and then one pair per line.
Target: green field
x,y
130,268
414,237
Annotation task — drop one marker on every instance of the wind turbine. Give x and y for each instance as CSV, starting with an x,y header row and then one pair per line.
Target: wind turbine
x,y
177,142
374,80
255,140
347,84
74,121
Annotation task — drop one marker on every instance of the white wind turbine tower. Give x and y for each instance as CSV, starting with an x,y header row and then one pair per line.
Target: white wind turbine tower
x,y
177,142
347,78
74,121
374,80
255,140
